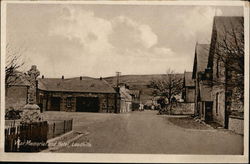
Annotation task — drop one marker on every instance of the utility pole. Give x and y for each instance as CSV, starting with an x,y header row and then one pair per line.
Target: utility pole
x,y
117,78
117,91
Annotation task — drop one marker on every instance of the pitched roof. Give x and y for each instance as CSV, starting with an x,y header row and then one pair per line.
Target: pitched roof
x,y
188,81
201,58
89,85
227,22
223,25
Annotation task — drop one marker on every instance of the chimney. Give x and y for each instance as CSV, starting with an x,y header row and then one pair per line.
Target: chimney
x,y
100,78
42,76
80,77
62,77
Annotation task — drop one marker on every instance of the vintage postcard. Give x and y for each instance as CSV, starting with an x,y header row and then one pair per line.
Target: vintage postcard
x,y
125,81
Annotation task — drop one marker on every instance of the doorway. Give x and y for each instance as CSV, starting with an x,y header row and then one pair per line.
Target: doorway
x,y
87,104
55,103
208,111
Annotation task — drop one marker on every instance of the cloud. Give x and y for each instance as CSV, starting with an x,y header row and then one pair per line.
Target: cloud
x,y
129,34
163,52
98,35
198,23
90,30
106,42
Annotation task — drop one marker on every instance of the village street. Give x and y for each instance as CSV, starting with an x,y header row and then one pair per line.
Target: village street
x,y
146,132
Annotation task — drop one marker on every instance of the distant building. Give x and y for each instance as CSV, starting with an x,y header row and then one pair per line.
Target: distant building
x,y
136,98
203,101
82,94
188,94
125,103
223,101
17,92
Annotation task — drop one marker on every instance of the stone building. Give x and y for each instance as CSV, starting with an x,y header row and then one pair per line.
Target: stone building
x,y
82,94
125,101
224,30
203,102
17,92
188,94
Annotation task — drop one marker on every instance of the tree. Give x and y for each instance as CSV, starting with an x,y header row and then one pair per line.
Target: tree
x,y
167,86
13,64
229,50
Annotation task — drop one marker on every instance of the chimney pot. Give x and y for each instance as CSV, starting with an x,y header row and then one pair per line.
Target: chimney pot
x,y
62,77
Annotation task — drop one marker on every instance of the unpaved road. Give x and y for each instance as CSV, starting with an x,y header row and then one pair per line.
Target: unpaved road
x,y
148,133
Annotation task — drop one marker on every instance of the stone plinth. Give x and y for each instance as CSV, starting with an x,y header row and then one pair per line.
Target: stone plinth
x,y
31,113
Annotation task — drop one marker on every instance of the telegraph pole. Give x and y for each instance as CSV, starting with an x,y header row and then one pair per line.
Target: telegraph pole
x,y
117,91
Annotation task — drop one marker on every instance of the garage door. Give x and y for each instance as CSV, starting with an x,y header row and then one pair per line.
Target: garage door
x,y
87,104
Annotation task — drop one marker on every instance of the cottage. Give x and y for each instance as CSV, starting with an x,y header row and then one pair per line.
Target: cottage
x,y
203,102
227,31
82,94
125,102
188,94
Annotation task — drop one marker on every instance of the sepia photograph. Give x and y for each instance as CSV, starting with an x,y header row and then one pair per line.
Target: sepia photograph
x,y
124,78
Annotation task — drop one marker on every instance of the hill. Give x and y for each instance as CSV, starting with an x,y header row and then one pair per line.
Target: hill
x,y
138,82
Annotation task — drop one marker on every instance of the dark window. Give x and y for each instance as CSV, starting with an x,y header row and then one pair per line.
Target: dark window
x,y
217,68
69,102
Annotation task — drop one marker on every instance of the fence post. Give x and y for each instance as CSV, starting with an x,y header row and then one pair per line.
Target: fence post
x,y
54,126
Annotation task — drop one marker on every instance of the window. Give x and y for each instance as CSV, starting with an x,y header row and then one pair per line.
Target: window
x,y
217,68
69,102
217,103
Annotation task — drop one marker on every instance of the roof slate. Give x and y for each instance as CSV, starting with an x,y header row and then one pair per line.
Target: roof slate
x,y
87,85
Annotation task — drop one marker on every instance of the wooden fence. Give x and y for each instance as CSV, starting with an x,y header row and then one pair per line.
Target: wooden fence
x,y
33,137
57,128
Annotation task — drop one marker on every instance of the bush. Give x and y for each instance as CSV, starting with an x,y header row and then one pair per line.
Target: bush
x,y
12,114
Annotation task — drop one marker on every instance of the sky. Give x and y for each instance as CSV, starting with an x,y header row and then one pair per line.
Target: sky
x,y
99,40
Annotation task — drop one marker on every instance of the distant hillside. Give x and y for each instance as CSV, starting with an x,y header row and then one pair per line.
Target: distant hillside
x,y
138,82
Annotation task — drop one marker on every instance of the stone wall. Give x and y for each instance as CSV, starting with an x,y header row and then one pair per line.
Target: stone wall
x,y
16,97
183,108
106,100
219,113
236,124
190,95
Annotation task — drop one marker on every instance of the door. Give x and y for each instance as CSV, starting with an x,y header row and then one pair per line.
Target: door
x,y
208,111
87,104
55,103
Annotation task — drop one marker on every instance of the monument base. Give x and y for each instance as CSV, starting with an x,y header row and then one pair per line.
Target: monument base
x,y
31,113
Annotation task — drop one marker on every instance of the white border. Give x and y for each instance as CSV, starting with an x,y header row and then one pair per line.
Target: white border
x,y
146,158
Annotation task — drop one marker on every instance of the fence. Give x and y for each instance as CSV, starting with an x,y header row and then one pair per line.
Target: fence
x,y
33,137
57,128
30,137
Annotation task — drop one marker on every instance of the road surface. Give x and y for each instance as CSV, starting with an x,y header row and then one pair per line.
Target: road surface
x,y
148,133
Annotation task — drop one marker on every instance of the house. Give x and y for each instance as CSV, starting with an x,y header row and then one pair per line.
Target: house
x,y
136,98
81,94
226,31
188,94
203,101
17,91
125,102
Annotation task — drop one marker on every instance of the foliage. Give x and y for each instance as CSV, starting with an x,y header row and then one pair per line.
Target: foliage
x,y
13,64
167,87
